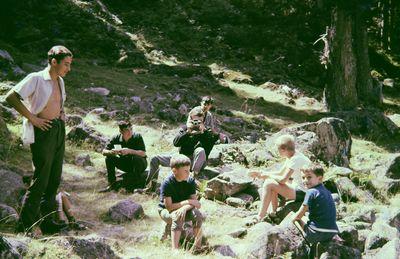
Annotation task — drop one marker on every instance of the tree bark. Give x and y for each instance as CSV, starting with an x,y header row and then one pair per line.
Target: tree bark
x,y
341,93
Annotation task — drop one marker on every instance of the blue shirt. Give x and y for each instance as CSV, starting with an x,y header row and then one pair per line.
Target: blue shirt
x,y
178,191
322,210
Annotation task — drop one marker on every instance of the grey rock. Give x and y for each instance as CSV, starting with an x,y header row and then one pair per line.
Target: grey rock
x,y
385,230
337,251
7,250
73,120
183,109
375,240
90,247
11,187
4,138
126,210
84,134
349,234
224,250
390,250
20,244
395,221
98,90
8,216
227,184
350,191
235,202
83,160
136,99
238,233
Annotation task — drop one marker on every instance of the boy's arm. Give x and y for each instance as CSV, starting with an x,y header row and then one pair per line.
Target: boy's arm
x,y
182,136
300,213
14,100
178,205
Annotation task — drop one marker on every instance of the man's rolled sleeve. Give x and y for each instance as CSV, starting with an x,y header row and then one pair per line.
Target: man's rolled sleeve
x,y
26,87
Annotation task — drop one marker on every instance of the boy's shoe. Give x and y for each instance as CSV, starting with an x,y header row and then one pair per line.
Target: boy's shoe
x,y
200,250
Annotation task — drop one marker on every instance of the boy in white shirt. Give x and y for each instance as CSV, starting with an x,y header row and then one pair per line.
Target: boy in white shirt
x,y
286,182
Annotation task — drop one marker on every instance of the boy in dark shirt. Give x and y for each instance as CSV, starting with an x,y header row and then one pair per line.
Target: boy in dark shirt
x,y
127,152
178,201
321,226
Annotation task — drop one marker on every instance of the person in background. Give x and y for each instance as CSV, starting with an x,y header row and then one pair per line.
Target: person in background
x,y
127,152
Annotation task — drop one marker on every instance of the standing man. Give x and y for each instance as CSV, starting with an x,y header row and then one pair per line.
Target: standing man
x,y
127,152
43,94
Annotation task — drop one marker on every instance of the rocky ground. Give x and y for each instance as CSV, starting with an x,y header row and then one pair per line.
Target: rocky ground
x,y
155,89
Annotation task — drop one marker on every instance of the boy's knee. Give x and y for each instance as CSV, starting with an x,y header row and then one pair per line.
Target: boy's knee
x,y
268,183
198,218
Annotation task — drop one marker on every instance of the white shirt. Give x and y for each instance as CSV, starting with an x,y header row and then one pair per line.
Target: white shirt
x,y
297,162
35,90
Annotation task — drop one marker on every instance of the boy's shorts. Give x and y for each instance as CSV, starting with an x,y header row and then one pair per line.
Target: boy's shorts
x,y
314,236
300,194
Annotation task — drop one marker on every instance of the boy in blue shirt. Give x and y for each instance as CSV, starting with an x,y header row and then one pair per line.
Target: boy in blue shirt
x,y
321,226
178,201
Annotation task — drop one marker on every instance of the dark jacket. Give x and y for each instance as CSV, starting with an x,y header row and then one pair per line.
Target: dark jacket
x,y
187,142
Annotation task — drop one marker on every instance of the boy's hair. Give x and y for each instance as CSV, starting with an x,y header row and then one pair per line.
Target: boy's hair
x,y
122,125
196,111
58,53
207,100
178,161
286,142
315,169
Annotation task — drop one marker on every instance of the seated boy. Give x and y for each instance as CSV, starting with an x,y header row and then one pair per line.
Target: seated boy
x,y
321,226
178,201
286,182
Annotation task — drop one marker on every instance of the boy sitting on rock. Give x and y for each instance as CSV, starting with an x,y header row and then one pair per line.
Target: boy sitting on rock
x,y
286,182
178,201
321,226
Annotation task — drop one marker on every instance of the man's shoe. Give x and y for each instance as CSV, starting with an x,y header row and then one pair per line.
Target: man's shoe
x,y
50,227
112,187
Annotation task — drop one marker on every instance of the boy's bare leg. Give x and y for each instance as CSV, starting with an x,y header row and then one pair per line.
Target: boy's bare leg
x,y
274,201
271,186
175,236
197,237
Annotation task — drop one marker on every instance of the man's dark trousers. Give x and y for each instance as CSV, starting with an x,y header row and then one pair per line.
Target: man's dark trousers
x,y
134,167
47,158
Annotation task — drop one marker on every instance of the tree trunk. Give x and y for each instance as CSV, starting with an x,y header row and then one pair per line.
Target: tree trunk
x,y
349,80
366,91
341,93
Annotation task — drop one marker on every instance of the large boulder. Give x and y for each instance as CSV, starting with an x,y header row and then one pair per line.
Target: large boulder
x,y
11,187
228,184
8,68
350,191
327,139
274,241
126,210
224,250
245,154
383,170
